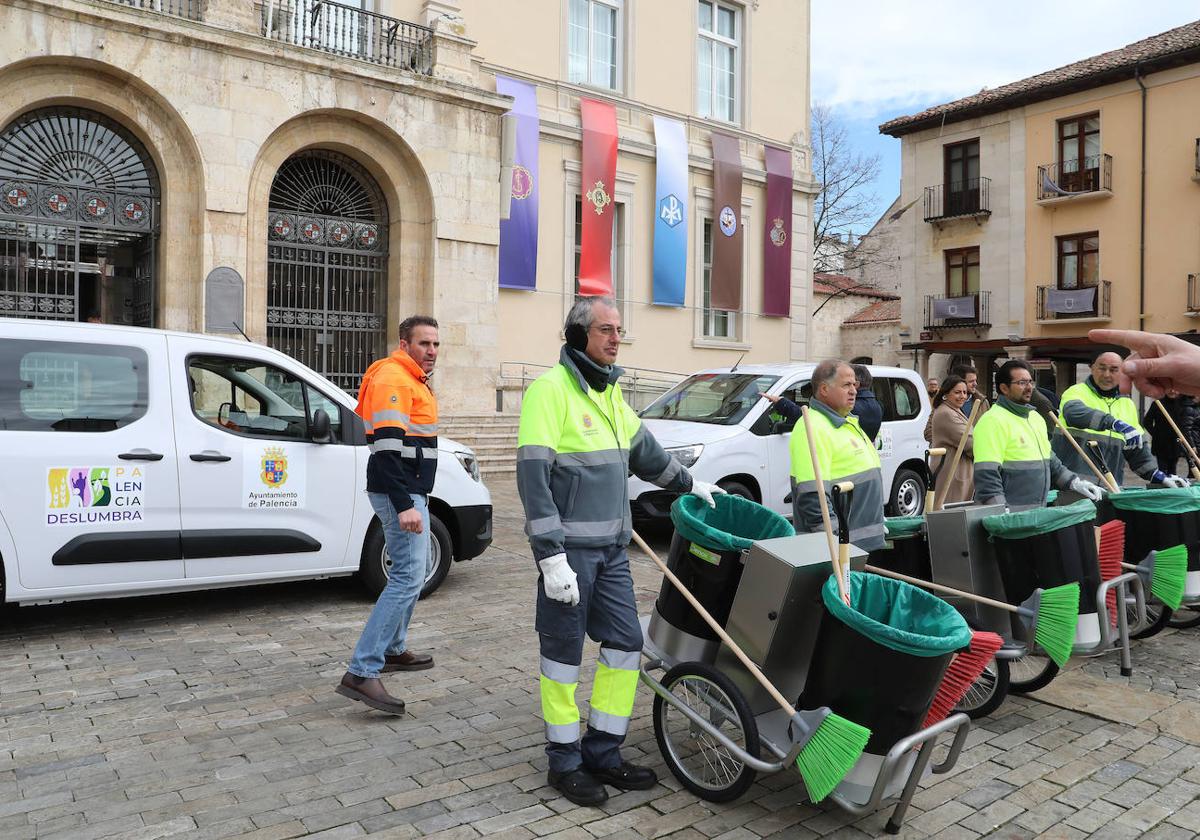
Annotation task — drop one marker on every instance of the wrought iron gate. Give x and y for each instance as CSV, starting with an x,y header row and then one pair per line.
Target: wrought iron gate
x,y
327,266
78,219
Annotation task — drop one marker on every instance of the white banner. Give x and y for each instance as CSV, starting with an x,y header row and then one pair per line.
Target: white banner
x,y
1071,300
956,307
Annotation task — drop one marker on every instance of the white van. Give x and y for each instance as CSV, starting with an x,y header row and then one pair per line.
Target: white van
x,y
140,461
716,425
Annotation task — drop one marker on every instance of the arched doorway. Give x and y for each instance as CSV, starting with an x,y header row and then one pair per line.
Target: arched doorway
x,y
327,265
78,219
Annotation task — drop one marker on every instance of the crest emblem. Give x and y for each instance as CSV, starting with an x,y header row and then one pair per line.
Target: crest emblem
x,y
670,210
522,182
728,221
778,234
598,198
340,232
96,207
311,230
367,236
57,202
587,421
134,211
282,227
17,197
274,466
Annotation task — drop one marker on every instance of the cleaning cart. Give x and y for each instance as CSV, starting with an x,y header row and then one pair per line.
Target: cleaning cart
x,y
718,724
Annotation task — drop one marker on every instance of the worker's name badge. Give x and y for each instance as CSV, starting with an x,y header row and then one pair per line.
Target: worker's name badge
x,y
273,476
95,495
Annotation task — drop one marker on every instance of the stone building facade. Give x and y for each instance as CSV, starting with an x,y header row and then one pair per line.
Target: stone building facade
x,y
312,172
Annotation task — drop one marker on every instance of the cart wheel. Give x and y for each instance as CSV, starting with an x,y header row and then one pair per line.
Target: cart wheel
x,y
1185,617
1030,672
987,692
704,766
1157,616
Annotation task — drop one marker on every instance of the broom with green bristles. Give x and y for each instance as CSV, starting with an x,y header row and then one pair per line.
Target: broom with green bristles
x,y
1050,615
1165,571
826,745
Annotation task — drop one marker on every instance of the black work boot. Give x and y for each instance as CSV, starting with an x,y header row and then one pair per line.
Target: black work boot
x,y
371,692
579,786
626,777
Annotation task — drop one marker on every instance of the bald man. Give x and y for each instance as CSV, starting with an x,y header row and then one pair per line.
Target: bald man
x,y
1095,410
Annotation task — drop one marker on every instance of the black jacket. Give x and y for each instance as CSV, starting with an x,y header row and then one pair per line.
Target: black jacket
x,y
868,411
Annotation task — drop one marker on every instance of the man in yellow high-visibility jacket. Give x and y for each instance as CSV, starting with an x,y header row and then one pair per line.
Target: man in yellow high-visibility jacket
x,y
1096,410
1014,464
578,442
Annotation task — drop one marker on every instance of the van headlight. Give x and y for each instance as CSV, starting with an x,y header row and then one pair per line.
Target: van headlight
x,y
469,463
686,455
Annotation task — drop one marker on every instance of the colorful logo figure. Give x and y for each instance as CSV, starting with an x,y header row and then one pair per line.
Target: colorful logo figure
x,y
728,221
134,211
522,182
17,197
96,207
274,467
598,198
101,492
670,210
78,487
778,234
58,487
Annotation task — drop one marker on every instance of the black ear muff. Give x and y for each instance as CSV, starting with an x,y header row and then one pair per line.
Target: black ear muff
x,y
576,335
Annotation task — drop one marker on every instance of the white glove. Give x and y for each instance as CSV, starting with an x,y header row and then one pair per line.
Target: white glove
x,y
1086,488
558,579
705,491
1175,481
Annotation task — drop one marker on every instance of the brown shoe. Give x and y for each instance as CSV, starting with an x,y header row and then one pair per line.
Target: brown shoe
x,y
407,661
371,692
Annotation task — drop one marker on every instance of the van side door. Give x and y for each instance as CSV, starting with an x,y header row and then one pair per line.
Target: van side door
x,y
90,491
779,456
259,497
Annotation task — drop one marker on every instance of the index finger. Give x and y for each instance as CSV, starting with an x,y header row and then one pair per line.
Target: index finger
x,y
1136,340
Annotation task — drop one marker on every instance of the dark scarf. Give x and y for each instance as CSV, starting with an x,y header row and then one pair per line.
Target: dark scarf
x,y
1019,410
1110,394
597,376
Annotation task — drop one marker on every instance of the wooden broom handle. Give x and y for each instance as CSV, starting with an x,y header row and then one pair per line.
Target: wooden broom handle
x,y
940,498
937,587
1109,479
1193,460
717,628
812,454
1095,470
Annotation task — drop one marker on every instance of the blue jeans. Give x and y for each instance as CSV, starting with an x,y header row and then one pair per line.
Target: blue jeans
x,y
387,627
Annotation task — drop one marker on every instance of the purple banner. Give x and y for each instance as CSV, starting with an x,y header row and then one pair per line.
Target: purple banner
x,y
519,232
777,241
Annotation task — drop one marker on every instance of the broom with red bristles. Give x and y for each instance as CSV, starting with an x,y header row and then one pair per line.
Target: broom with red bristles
x,y
962,673
1111,553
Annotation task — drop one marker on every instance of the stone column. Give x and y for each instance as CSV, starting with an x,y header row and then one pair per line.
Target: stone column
x,y
431,10
452,51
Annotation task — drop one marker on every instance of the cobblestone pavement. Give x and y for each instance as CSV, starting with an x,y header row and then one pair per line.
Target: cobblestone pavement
x,y
213,715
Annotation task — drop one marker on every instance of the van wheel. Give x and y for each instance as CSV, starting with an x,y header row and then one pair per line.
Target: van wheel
x,y
736,488
908,494
373,568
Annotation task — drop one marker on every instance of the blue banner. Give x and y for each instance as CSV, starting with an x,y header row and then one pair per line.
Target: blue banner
x,y
671,212
519,232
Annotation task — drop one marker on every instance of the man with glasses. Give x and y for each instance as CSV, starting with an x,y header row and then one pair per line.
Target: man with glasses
x,y
577,444
1096,410
1014,463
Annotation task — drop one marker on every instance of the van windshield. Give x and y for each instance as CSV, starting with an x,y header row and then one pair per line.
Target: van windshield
x,y
719,398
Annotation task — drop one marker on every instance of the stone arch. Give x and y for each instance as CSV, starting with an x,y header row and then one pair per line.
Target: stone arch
x,y
66,81
385,155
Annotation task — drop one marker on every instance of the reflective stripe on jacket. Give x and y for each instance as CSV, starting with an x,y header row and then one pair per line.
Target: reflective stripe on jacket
x,y
1090,416
844,453
1014,463
401,418
575,449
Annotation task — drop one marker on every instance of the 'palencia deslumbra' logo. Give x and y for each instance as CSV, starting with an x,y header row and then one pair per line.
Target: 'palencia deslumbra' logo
x,y
89,495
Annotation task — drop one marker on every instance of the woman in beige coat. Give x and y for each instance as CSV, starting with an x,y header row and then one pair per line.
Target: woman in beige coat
x,y
949,425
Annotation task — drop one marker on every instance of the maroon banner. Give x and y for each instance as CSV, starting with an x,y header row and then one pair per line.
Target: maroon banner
x,y
777,239
725,284
596,193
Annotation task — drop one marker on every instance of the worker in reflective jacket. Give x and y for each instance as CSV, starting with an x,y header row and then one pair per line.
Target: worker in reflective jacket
x,y
577,444
1095,410
1014,464
844,453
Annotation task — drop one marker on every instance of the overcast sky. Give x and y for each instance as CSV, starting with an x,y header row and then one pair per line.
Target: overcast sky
x,y
876,59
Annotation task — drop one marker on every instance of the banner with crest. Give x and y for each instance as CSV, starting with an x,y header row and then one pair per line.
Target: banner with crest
x,y
725,284
671,211
519,232
777,238
596,193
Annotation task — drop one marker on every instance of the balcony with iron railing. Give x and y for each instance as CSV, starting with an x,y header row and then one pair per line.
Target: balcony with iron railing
x,y
1084,304
962,200
322,25
947,312
1075,180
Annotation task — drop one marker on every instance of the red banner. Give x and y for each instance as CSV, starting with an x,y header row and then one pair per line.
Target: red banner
x,y
777,238
596,193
